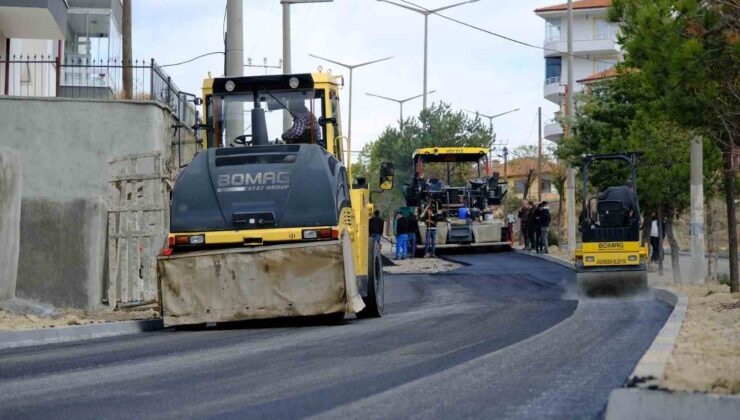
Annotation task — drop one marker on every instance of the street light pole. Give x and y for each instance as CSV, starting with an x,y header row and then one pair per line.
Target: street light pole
x,y
287,62
399,102
493,138
351,67
426,13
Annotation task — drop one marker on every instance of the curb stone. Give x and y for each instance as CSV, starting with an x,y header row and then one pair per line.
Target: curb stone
x,y
547,257
647,404
26,338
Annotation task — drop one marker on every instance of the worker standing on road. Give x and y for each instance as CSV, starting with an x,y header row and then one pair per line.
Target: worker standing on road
x,y
655,237
376,227
413,235
430,238
526,215
543,227
402,227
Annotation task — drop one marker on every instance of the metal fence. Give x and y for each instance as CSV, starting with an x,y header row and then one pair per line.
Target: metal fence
x,y
81,77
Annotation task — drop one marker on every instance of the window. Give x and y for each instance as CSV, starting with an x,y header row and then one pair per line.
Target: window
x,y
520,186
604,63
546,187
553,69
552,30
604,29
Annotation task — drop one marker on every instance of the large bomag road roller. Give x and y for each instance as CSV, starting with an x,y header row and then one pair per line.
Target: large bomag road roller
x,y
610,260
263,226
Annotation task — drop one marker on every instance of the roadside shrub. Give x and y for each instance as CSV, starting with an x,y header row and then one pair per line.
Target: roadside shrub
x,y
723,278
552,236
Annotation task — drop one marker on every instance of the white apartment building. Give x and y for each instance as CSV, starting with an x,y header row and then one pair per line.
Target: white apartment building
x,y
33,33
594,44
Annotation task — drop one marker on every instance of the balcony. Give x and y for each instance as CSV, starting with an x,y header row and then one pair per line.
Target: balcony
x,y
599,44
553,89
553,131
39,19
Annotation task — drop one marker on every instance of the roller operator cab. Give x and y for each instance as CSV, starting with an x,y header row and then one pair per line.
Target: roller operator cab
x,y
610,260
457,184
267,221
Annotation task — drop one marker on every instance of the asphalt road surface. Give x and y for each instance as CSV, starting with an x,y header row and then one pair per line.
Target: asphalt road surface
x,y
501,338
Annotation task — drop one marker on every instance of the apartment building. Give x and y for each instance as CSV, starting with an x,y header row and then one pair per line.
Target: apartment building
x,y
594,45
36,36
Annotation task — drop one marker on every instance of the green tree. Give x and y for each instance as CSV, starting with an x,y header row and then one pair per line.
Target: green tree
x,y
438,125
688,52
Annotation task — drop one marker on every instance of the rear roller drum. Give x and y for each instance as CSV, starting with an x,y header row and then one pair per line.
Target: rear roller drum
x,y
611,283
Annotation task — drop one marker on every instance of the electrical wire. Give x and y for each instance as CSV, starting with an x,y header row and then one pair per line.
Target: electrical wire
x,y
193,59
504,37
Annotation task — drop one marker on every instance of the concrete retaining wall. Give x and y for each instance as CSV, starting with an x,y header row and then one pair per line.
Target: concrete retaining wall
x,y
63,252
65,142
64,145
10,214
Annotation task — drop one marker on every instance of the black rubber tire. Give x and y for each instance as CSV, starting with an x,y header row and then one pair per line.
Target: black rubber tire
x,y
374,301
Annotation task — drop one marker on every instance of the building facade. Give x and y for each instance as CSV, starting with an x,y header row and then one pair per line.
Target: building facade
x,y
56,47
522,172
595,49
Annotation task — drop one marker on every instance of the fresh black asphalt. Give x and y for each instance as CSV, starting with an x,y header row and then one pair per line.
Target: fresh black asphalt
x,y
503,337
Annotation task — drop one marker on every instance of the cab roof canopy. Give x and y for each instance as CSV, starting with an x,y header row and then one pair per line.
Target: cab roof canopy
x,y
450,154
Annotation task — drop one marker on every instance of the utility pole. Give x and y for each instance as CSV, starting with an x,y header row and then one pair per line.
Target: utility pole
x,y
350,67
287,60
571,180
128,71
234,63
506,165
698,263
539,155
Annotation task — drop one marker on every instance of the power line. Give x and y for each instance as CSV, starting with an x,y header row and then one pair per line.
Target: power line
x,y
193,59
504,37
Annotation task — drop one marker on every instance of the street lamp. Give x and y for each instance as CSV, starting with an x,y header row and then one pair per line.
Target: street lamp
x,y
400,102
490,127
491,117
286,44
426,13
351,67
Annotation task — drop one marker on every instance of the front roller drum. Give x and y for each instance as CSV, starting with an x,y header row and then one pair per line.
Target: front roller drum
x,y
593,283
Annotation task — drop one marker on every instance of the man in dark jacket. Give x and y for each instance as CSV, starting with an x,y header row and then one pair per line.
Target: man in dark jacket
x,y
376,227
413,235
624,194
523,222
402,228
543,225
430,222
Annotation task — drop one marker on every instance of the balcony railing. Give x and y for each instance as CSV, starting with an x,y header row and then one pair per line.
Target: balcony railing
x,y
79,77
552,80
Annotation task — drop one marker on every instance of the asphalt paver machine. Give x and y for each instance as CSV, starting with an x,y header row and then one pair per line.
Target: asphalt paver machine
x,y
610,260
458,184
264,227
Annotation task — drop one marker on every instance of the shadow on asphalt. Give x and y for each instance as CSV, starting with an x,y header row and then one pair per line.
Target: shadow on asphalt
x,y
258,324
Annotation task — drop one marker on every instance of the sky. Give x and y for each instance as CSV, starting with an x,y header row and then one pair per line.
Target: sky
x,y
468,69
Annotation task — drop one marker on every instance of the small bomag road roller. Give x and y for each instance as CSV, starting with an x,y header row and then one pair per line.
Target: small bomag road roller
x,y
610,260
266,222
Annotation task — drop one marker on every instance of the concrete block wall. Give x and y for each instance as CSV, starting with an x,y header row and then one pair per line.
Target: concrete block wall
x,y
64,145
10,214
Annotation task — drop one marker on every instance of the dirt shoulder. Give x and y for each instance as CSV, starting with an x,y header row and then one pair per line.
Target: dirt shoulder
x,y
706,356
22,315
